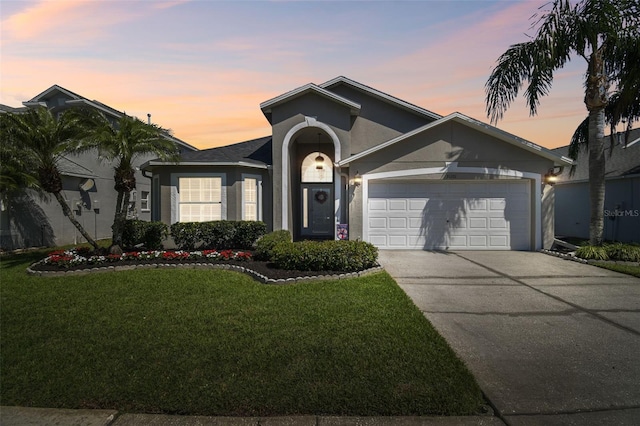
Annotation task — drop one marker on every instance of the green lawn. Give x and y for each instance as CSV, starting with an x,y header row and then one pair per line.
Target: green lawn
x,y
624,268
219,343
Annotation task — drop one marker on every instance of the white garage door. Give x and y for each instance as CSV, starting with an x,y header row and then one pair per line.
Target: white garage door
x,y
485,215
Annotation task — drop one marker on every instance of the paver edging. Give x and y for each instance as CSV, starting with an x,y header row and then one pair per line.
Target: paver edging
x,y
255,275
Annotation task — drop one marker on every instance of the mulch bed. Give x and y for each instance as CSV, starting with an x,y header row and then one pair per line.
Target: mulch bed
x,y
263,268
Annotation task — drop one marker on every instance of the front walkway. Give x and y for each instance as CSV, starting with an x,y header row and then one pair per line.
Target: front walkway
x,y
550,341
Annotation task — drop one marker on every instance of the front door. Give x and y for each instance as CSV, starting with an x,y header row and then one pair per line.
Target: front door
x,y
317,210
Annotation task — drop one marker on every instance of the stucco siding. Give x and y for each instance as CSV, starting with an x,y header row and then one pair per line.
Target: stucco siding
x,y
378,121
31,221
622,209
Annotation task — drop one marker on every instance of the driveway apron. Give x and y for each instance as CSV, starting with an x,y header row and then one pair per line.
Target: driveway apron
x,y
550,341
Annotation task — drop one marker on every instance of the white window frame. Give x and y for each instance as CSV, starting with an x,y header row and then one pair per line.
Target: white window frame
x,y
258,179
132,212
144,200
175,193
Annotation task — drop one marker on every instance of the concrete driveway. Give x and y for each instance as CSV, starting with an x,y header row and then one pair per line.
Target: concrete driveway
x,y
550,341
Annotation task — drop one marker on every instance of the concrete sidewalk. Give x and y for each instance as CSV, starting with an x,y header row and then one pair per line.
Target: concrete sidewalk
x,y
19,416
550,341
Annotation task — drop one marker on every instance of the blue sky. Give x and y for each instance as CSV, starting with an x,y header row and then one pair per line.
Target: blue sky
x,y
202,67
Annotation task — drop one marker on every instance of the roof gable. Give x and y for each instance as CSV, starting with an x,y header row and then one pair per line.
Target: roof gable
x,y
341,80
267,106
469,122
75,99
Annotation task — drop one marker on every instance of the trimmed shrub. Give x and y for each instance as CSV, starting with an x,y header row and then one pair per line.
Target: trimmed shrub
x,y
248,232
624,252
266,243
219,234
186,235
149,234
341,256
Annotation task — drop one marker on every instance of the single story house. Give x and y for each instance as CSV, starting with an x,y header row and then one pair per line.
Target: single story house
x,y
28,220
345,160
622,192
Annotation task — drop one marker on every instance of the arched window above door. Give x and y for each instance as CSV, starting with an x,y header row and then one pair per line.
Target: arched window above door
x,y
314,170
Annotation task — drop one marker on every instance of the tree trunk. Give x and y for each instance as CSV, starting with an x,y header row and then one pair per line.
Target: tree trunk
x,y
119,219
596,176
69,214
596,99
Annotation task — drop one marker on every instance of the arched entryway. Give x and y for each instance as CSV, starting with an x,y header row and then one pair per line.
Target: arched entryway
x,y
311,188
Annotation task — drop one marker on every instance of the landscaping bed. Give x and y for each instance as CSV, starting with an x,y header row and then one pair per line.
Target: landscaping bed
x,y
81,259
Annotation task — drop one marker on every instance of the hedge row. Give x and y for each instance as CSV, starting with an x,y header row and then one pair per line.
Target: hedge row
x,y
221,234
342,256
149,234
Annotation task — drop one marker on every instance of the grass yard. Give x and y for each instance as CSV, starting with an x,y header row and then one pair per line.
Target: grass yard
x,y
624,268
218,343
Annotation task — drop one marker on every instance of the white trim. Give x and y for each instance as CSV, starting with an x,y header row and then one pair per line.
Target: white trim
x,y
310,87
467,121
147,199
175,194
454,168
382,95
308,122
258,179
204,163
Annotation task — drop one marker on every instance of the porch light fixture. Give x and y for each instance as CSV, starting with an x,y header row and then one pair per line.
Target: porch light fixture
x,y
551,177
357,179
319,158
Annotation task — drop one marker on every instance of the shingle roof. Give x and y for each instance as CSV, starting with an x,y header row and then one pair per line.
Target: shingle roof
x,y
7,108
620,160
256,151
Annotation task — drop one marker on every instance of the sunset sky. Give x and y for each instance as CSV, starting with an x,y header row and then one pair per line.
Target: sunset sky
x,y
201,68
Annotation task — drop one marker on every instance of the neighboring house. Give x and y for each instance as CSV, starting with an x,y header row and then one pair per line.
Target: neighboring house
x,y
88,185
343,156
622,192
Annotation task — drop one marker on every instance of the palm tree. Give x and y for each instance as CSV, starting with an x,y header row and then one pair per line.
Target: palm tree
x,y
604,33
122,142
34,141
15,164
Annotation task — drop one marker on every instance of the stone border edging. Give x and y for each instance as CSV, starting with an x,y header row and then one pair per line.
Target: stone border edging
x,y
566,256
255,275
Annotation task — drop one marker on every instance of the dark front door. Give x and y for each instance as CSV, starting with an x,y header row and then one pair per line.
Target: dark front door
x,y
317,215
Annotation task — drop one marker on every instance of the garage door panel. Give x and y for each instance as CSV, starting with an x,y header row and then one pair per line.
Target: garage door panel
x,y
456,216
498,241
378,223
417,204
478,223
376,204
478,241
397,204
497,223
398,222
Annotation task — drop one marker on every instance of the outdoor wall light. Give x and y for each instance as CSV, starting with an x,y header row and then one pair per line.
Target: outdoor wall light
x,y
357,179
551,177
